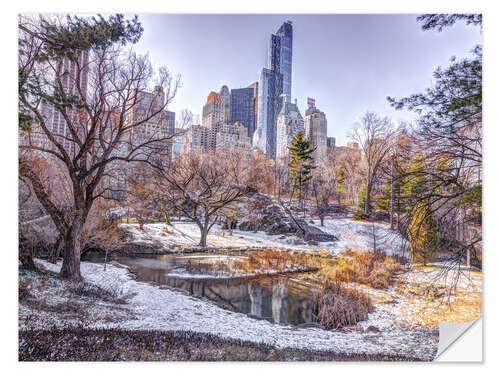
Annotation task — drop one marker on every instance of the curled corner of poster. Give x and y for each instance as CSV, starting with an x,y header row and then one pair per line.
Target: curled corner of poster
x,y
460,342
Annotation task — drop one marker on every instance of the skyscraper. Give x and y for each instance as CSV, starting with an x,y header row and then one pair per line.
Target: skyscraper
x,y
315,129
290,122
213,110
226,98
243,108
330,142
269,104
274,81
75,78
255,87
158,127
285,34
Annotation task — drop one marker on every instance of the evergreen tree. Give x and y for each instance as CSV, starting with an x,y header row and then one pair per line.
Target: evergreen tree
x,y
361,212
341,188
301,165
384,199
423,234
415,183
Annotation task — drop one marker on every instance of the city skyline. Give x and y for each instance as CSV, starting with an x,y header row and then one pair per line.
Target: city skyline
x,y
364,59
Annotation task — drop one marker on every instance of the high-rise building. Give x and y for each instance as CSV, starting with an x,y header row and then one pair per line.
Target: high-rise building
x,y
290,122
255,87
160,124
285,34
225,136
199,138
274,81
330,142
213,110
73,74
233,136
270,90
243,108
226,99
315,128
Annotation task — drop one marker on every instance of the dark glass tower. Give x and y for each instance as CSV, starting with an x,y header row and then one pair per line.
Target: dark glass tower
x,y
285,34
243,108
274,81
270,99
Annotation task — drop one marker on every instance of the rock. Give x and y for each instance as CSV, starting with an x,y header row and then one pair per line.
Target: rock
x,y
309,325
263,213
312,243
272,356
142,247
372,329
313,233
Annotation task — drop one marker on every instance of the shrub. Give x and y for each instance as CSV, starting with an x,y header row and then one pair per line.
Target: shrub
x,y
275,260
85,289
366,267
338,306
361,215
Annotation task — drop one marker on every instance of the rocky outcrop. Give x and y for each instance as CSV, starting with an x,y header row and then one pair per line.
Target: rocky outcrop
x,y
142,247
263,213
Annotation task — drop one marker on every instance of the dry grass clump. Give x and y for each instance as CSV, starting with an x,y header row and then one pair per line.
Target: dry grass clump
x,y
167,232
338,306
276,261
430,301
259,262
366,267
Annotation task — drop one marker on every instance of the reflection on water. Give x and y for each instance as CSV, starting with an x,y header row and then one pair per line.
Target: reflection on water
x,y
280,299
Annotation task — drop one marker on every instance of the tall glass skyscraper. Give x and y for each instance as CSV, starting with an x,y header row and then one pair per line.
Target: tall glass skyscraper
x,y
274,81
269,105
243,108
285,34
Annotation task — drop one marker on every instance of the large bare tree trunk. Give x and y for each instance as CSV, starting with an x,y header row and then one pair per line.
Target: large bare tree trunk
x,y
203,238
72,250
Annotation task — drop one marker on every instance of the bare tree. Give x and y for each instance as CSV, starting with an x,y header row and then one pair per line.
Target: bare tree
x,y
374,135
93,88
323,186
184,119
203,187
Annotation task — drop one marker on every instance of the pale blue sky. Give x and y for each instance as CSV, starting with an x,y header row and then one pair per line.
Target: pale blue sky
x,y
348,63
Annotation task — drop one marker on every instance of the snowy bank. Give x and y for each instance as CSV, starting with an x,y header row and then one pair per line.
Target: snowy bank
x,y
351,234
154,308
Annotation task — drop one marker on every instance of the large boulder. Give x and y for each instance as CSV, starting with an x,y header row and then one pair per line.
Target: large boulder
x,y
315,234
263,213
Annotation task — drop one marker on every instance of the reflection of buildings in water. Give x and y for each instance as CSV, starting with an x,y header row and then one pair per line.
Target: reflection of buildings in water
x,y
279,304
277,299
255,294
305,310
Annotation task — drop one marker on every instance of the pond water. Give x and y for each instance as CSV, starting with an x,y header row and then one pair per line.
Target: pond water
x,y
285,299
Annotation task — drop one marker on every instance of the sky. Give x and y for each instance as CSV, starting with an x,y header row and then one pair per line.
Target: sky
x,y
348,63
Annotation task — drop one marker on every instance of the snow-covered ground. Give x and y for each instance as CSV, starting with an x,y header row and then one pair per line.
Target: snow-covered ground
x,y
350,233
153,308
